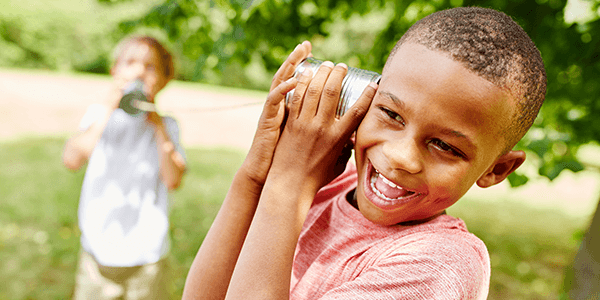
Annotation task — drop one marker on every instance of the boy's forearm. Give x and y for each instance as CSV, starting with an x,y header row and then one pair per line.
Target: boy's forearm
x,y
264,267
172,164
215,261
78,149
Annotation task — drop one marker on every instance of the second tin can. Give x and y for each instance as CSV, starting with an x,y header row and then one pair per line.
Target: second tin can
x,y
134,101
354,83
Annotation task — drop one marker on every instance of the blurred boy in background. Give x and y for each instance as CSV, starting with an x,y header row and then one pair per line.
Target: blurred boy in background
x,y
132,163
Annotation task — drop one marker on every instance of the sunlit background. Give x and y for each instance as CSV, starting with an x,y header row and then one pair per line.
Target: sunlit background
x,y
55,56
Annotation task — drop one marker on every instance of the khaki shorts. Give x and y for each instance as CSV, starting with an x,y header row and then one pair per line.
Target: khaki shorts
x,y
94,281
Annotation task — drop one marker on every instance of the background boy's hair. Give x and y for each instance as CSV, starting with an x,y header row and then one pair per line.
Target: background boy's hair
x,y
493,46
165,57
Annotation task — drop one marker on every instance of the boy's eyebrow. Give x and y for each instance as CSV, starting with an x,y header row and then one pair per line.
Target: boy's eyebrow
x,y
460,135
394,98
457,134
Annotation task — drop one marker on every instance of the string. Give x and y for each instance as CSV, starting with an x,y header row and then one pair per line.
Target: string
x,y
225,107
146,106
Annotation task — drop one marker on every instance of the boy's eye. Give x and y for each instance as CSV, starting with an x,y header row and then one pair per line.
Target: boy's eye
x,y
442,146
393,115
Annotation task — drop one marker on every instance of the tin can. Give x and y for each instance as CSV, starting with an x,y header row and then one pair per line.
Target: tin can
x,y
134,101
353,84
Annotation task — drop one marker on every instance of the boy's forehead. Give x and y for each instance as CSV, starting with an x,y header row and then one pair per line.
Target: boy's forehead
x,y
440,70
137,49
411,51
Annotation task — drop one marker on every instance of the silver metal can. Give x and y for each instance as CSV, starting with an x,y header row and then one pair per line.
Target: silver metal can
x,y
134,101
353,85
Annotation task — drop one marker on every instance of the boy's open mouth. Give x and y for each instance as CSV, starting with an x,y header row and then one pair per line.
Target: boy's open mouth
x,y
386,189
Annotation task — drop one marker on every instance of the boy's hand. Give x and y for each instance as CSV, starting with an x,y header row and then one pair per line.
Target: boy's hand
x,y
313,140
305,158
155,119
260,156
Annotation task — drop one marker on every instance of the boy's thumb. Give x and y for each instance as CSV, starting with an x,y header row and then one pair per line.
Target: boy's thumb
x,y
357,112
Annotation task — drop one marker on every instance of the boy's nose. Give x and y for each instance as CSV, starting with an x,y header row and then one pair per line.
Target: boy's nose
x,y
137,70
404,155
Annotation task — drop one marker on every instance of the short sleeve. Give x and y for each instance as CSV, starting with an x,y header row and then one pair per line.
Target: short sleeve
x,y
92,114
446,270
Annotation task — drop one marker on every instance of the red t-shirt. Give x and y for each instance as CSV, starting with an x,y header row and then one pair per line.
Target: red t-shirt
x,y
342,255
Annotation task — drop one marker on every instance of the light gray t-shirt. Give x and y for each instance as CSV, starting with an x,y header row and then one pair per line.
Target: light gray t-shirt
x,y
123,208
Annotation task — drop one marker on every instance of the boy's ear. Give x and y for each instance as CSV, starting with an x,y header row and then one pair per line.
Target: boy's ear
x,y
503,166
113,70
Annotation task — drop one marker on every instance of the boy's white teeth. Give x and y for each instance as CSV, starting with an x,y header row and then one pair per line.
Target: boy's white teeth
x,y
387,189
388,181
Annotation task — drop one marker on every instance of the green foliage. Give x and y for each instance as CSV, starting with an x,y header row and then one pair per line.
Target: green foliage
x,y
240,44
39,237
66,35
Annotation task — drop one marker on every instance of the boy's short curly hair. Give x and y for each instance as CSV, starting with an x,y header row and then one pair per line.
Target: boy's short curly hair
x,y
165,55
493,46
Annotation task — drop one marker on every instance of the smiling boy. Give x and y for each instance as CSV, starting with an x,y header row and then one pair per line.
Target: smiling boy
x,y
457,92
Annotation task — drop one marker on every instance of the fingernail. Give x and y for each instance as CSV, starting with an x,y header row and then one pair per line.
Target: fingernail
x,y
343,65
327,64
373,85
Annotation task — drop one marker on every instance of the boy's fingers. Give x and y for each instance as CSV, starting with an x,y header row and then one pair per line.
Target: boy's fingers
x,y
275,97
350,120
330,95
312,96
296,103
289,65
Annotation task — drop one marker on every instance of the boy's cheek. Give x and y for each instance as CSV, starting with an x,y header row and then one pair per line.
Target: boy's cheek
x,y
367,132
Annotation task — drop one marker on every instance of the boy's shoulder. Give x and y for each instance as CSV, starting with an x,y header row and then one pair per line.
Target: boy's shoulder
x,y
445,234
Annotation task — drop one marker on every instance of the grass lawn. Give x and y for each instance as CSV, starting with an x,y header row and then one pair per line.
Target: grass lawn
x,y
39,238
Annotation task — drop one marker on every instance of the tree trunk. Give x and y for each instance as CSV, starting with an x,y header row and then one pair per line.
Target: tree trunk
x,y
582,279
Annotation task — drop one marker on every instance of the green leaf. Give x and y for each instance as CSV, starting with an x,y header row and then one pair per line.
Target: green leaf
x,y
516,180
570,164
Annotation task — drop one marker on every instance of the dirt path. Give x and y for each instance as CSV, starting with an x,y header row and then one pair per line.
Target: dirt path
x,y
52,104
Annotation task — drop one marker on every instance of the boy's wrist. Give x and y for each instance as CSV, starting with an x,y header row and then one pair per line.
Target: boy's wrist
x,y
294,185
168,147
159,127
250,176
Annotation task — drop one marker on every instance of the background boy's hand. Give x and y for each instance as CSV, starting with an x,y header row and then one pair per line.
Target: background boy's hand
x,y
260,155
155,119
310,147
